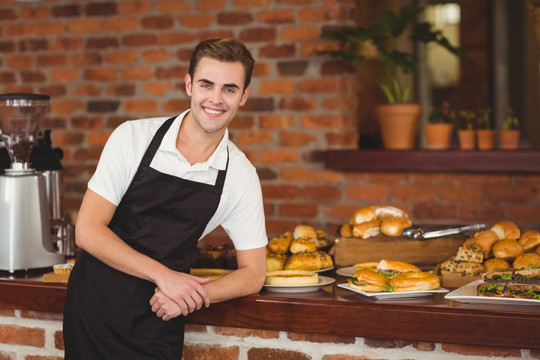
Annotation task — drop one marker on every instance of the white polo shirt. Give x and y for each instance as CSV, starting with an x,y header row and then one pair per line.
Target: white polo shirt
x,y
240,211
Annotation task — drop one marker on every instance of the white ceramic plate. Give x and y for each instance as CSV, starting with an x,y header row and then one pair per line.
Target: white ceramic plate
x,y
323,270
346,271
467,294
394,295
323,281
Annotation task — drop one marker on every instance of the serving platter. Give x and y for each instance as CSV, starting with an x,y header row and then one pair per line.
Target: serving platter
x,y
323,281
394,295
467,294
346,271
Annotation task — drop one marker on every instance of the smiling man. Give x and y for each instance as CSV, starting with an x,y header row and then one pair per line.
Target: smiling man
x,y
160,186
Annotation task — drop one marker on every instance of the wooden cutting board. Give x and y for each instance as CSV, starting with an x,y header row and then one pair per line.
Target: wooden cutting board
x,y
55,278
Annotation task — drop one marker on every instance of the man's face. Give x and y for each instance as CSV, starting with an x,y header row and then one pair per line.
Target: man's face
x,y
216,93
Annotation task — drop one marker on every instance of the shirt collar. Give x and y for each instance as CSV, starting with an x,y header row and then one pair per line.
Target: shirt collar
x,y
218,159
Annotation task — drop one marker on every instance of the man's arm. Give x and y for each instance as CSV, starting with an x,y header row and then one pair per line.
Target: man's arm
x,y
94,236
248,279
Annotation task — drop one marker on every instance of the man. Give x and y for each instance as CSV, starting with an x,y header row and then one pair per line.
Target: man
x,y
160,186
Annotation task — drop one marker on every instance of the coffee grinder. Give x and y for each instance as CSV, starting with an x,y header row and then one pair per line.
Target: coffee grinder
x,y
29,236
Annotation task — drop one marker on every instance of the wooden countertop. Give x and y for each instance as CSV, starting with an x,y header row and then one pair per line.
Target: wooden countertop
x,y
332,310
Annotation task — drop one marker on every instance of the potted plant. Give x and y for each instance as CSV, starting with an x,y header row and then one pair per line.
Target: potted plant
x,y
485,135
510,133
439,127
466,131
394,69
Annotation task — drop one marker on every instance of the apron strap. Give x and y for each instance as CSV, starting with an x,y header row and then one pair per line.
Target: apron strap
x,y
156,141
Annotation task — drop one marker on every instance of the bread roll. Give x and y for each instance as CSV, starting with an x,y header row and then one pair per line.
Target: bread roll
x,y
363,215
275,262
529,239
345,230
527,260
301,245
383,212
393,226
280,244
326,260
506,230
471,253
494,263
366,229
485,239
507,249
304,261
304,231
291,277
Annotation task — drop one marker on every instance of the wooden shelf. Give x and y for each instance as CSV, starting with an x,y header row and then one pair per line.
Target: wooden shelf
x,y
495,161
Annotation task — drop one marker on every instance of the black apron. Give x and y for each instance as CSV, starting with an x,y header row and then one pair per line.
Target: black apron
x,y
107,312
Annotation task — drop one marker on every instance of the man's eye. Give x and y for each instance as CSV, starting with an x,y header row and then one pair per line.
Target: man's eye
x,y
207,86
230,90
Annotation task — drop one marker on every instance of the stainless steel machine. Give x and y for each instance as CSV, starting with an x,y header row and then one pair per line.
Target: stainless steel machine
x,y
33,230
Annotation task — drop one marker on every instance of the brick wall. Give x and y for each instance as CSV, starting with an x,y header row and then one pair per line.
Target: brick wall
x,y
26,335
110,61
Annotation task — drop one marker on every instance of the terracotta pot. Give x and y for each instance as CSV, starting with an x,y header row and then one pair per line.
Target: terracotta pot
x,y
509,139
438,136
399,125
485,139
467,139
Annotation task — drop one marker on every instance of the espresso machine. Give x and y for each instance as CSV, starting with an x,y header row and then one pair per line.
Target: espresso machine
x,y
33,231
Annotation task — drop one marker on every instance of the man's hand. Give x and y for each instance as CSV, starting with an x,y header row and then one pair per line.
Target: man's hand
x,y
181,294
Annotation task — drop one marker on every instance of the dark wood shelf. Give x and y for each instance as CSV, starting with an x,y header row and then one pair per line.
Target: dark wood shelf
x,y
492,161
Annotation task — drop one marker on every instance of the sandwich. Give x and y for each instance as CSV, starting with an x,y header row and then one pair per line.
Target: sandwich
x,y
369,281
390,268
509,290
291,277
523,276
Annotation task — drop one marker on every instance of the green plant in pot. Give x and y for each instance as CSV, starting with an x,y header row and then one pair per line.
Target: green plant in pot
x,y
394,69
466,120
510,133
439,127
485,135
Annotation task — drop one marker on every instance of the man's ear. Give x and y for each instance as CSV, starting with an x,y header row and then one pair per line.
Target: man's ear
x,y
245,95
187,80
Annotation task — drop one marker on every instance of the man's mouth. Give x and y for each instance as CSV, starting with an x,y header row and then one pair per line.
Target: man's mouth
x,y
213,111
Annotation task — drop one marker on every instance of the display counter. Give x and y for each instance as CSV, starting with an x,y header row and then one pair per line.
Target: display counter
x,y
334,311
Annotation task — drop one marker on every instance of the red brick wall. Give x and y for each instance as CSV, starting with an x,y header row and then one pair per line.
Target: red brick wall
x,y
33,335
106,62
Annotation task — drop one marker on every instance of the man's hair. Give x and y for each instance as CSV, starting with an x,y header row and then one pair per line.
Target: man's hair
x,y
226,50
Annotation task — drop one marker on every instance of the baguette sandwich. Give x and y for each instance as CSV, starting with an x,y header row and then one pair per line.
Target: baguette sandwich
x,y
509,290
523,276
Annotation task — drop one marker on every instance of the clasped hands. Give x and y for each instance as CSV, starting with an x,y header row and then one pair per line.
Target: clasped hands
x,y
182,296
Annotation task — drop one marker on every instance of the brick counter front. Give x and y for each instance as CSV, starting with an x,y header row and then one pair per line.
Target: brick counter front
x,y
330,324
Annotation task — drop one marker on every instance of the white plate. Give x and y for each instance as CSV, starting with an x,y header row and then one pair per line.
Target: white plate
x,y
346,271
325,269
467,294
323,281
394,295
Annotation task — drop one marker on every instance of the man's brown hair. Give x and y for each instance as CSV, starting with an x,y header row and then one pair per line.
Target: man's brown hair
x,y
226,50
